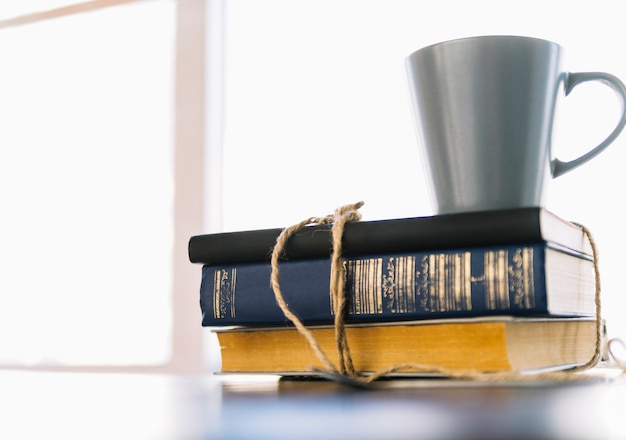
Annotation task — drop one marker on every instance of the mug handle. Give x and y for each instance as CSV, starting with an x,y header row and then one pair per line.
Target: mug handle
x,y
573,79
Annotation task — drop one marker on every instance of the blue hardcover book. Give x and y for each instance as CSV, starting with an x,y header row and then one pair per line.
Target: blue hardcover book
x,y
527,280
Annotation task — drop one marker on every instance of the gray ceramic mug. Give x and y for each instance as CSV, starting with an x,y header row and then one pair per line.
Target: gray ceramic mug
x,y
484,109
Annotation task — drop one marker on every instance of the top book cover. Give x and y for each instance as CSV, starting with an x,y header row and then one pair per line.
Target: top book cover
x,y
448,231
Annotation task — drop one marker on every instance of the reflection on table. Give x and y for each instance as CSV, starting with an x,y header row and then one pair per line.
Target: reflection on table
x,y
140,406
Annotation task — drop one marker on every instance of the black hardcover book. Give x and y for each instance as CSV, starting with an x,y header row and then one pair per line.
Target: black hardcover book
x,y
448,231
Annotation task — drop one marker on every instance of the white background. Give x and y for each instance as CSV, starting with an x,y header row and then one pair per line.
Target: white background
x,y
317,111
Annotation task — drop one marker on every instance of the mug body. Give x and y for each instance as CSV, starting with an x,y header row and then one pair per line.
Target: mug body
x,y
483,110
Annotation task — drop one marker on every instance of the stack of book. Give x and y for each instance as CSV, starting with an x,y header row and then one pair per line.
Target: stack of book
x,y
497,291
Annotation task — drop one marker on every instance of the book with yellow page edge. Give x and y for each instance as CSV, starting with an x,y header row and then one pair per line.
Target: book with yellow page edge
x,y
498,344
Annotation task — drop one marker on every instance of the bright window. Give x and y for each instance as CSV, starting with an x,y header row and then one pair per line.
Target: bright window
x,y
86,187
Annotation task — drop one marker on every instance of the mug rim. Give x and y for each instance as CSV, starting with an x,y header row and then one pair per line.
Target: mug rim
x,y
483,37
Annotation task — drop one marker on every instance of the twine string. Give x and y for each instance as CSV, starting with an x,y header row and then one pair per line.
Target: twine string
x,y
337,285
597,355
346,368
274,281
339,219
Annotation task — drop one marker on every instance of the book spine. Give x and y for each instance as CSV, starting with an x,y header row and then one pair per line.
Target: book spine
x,y
424,285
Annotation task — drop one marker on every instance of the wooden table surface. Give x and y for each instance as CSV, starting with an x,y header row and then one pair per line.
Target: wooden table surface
x,y
38,405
